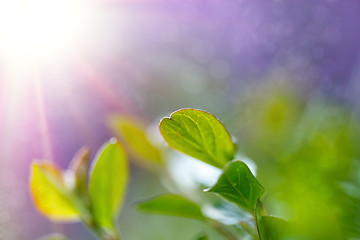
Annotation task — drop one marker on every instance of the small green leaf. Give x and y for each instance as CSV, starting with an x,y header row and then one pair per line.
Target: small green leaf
x,y
275,228
269,227
173,205
108,183
203,237
200,135
49,193
238,185
79,166
259,212
136,140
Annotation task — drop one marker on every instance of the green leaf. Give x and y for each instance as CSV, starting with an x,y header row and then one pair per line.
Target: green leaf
x,y
200,135
275,228
136,140
270,227
173,205
203,237
259,212
49,193
108,183
79,166
238,185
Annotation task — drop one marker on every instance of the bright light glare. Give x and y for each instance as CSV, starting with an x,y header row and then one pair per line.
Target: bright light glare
x,y
43,28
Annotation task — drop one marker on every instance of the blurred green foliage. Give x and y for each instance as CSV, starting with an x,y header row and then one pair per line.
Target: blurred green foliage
x,y
305,149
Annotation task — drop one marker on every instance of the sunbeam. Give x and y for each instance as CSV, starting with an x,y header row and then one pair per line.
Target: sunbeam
x,y
43,28
42,116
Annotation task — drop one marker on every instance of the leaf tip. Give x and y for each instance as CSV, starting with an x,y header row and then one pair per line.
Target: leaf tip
x,y
163,120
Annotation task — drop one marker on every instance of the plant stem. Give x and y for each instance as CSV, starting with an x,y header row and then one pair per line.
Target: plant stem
x,y
259,207
83,206
249,229
221,228
101,233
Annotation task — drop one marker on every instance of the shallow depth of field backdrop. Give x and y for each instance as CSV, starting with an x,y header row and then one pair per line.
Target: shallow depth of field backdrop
x,y
275,72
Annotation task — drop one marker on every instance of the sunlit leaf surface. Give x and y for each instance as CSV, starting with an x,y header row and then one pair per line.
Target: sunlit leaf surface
x,y
200,135
134,136
173,205
108,183
238,185
49,193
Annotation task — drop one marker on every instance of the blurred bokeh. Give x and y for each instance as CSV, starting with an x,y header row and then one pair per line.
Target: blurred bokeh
x,y
283,76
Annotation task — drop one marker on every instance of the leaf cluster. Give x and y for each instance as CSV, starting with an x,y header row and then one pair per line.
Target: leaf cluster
x,y
78,194
95,196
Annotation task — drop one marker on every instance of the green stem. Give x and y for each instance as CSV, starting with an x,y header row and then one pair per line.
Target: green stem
x,y
116,233
82,205
259,207
221,228
101,233
249,229
93,228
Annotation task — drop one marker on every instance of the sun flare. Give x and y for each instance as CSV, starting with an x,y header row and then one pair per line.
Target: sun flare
x,y
42,28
